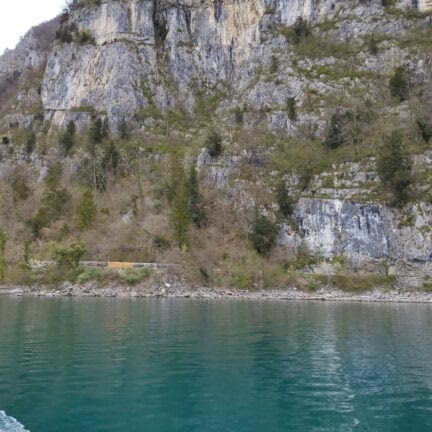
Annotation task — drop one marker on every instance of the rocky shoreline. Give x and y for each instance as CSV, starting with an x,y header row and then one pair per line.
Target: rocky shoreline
x,y
182,290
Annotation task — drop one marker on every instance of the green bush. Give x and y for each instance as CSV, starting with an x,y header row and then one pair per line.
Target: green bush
x,y
196,209
394,168
54,202
298,31
284,200
30,142
85,37
66,33
134,276
400,83
3,241
214,144
90,275
67,138
336,130
180,218
67,257
95,131
20,189
85,211
123,129
264,235
425,130
291,106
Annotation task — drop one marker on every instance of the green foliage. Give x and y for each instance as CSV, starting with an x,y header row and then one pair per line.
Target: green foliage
x,y
3,241
105,130
85,211
101,166
90,275
284,200
358,283
67,138
298,31
65,34
195,200
160,27
176,175
214,144
335,136
54,201
425,130
264,234
110,159
67,257
400,83
274,64
85,37
96,131
242,280
20,189
134,276
180,215
292,108
30,142
123,129
238,115
394,168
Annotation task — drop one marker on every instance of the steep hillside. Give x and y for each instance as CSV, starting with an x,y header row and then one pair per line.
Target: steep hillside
x,y
308,123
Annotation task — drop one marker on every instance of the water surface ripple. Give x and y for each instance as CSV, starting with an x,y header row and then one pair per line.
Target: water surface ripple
x,y
214,366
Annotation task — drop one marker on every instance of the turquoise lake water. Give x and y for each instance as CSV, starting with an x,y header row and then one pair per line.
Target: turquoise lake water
x,y
207,366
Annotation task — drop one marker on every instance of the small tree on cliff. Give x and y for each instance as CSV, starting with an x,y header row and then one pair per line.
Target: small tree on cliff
x,y
195,200
394,168
3,241
67,138
264,235
85,212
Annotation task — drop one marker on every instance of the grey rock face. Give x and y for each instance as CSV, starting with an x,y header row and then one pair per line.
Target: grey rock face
x,y
161,54
361,232
16,70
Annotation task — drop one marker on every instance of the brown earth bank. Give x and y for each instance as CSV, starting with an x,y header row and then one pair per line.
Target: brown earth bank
x,y
180,289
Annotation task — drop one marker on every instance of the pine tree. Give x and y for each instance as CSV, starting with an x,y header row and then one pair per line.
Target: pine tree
x,y
105,129
3,241
123,129
214,145
67,138
394,168
264,235
195,205
54,200
400,83
284,201
95,132
176,175
292,108
180,216
85,212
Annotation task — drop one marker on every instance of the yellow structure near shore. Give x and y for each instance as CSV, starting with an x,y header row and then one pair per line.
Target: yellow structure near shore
x,y
120,265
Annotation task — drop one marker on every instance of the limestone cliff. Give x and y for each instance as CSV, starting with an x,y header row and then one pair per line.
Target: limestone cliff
x,y
299,90
165,54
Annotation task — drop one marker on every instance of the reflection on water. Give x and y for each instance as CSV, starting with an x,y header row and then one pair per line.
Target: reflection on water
x,y
179,365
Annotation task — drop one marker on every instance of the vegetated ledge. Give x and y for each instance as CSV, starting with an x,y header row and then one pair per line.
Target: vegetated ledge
x,y
180,289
